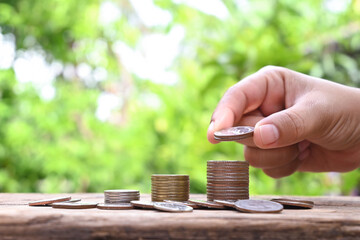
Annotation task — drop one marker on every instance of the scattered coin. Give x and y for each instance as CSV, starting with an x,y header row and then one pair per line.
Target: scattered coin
x,y
174,187
74,200
143,204
75,205
294,203
172,207
258,206
234,133
69,201
45,202
226,203
187,203
118,206
208,204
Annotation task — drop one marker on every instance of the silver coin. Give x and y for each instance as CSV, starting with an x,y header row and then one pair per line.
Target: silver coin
x,y
234,133
294,203
143,204
74,200
208,204
172,207
75,205
122,206
227,203
45,202
186,203
258,206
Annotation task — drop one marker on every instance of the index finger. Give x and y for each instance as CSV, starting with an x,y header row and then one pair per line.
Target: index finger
x,y
263,90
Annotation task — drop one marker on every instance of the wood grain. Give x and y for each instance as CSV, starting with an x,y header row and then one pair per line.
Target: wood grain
x,y
331,218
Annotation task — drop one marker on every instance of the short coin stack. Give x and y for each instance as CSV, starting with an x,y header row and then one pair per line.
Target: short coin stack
x,y
120,196
170,187
227,180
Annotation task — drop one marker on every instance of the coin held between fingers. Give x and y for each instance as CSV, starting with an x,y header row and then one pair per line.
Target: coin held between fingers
x,y
234,133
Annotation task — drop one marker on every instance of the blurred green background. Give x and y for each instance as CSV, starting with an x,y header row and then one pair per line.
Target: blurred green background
x,y
99,94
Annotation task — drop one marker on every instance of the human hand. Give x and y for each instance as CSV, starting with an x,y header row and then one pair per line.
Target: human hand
x,y
302,123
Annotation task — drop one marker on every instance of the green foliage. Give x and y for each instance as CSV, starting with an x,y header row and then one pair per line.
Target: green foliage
x,y
59,145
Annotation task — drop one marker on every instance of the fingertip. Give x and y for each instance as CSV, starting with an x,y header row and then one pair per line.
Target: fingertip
x,y
266,135
223,118
269,134
210,133
213,141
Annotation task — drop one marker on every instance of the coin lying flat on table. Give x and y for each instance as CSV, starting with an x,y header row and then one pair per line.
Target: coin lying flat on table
x,y
45,202
172,207
118,206
143,204
258,206
208,204
69,201
75,205
187,203
294,203
74,200
234,133
227,203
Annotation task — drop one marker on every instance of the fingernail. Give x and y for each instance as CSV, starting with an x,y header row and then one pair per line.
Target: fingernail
x,y
302,146
269,134
211,126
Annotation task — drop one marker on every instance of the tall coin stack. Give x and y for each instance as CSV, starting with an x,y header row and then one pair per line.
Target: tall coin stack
x,y
120,196
169,187
227,180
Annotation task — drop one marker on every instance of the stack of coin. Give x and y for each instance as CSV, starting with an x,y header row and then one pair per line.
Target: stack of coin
x,y
169,187
120,196
227,180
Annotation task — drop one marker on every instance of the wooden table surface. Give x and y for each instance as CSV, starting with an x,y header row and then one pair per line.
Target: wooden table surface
x,y
331,218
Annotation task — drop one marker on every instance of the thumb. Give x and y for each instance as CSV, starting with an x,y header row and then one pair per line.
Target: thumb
x,y
286,127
